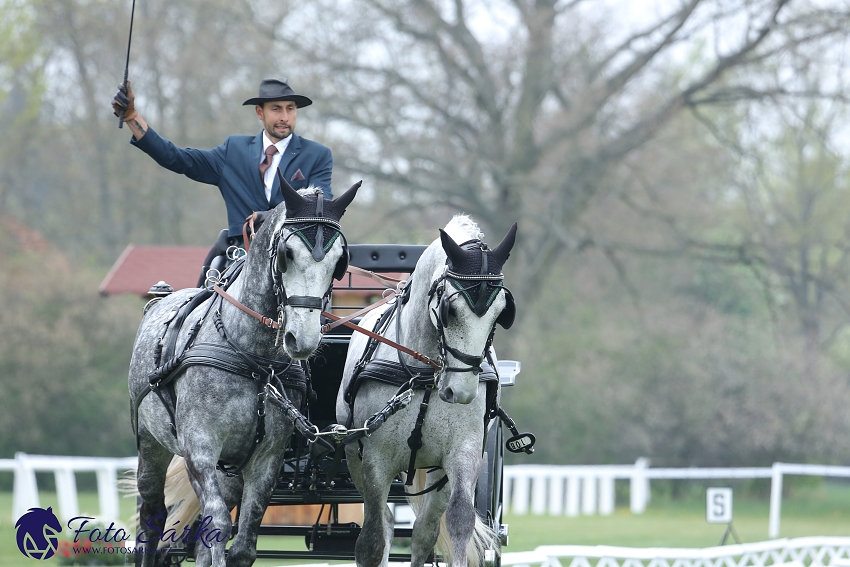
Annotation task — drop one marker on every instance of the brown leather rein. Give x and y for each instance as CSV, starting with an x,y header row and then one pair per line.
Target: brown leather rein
x,y
268,322
272,324
417,355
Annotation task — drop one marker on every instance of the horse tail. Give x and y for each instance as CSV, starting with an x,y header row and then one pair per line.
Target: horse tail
x,y
180,498
483,536
128,488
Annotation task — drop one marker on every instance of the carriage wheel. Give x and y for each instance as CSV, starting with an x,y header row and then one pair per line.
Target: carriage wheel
x,y
488,492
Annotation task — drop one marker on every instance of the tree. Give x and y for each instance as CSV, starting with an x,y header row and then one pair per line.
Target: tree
x,y
21,84
780,212
529,115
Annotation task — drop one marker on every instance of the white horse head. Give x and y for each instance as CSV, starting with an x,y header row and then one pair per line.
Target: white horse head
x,y
306,250
466,301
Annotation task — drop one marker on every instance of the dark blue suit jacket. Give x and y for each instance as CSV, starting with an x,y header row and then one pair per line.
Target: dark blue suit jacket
x,y
234,168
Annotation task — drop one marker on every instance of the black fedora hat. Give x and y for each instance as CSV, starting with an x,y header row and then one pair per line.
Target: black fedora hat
x,y
277,89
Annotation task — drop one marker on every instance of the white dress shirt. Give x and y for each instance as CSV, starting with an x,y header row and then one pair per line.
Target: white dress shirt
x,y
269,176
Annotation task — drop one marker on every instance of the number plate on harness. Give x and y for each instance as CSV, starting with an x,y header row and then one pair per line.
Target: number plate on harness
x,y
522,443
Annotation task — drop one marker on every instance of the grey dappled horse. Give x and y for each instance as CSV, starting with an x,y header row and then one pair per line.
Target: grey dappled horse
x,y
285,277
465,298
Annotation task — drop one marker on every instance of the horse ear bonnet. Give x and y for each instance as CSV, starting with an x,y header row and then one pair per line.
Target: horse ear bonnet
x,y
316,236
478,262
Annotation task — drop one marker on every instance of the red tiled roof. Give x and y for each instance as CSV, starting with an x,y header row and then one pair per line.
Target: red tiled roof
x,y
140,267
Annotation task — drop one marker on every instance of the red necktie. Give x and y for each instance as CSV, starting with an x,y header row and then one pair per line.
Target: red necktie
x,y
270,152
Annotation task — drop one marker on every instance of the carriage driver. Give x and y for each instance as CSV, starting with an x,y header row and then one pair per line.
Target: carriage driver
x,y
243,167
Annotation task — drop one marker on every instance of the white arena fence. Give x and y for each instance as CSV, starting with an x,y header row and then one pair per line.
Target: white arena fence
x,y
538,489
25,490
589,489
797,552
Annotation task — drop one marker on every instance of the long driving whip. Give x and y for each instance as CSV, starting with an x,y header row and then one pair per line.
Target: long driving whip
x,y
127,64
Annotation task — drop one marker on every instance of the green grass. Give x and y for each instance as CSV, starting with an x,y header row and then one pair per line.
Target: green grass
x,y
810,510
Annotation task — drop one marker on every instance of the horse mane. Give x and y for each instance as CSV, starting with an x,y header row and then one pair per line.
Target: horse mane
x,y
462,228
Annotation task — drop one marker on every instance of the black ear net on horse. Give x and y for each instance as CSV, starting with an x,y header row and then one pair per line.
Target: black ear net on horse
x,y
295,202
501,252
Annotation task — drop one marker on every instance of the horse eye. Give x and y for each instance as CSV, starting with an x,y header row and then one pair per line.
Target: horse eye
x,y
452,311
289,254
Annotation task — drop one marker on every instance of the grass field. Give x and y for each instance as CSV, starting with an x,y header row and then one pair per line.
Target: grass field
x,y
815,510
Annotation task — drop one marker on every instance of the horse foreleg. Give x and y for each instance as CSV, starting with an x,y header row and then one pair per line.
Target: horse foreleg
x,y
461,519
373,482
216,525
259,481
426,528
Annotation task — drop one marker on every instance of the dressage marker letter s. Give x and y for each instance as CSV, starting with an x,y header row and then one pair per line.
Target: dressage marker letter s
x,y
718,505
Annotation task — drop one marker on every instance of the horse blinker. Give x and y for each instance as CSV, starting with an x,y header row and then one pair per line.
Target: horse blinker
x,y
508,314
281,255
444,310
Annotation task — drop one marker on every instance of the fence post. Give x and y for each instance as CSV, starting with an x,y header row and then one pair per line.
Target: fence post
x,y
519,494
588,494
107,492
556,493
538,493
573,495
25,490
66,492
775,500
639,487
606,494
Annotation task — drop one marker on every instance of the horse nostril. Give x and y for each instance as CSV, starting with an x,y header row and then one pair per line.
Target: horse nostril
x,y
290,341
447,394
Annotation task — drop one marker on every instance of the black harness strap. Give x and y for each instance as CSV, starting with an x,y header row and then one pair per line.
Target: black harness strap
x,y
371,347
415,439
436,486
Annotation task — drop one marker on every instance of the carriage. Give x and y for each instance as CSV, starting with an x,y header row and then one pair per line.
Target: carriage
x,y
304,480
279,432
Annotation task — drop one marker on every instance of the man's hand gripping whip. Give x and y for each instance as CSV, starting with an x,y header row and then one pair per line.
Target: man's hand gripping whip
x,y
127,64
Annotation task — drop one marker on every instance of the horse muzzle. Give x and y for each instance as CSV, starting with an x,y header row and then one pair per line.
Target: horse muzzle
x,y
460,388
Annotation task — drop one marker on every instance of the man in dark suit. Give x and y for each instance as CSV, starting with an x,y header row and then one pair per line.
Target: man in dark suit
x,y
243,167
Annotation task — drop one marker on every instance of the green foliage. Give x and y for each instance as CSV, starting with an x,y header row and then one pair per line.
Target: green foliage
x,y
64,352
729,291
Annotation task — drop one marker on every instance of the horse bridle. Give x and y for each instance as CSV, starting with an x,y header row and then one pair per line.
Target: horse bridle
x,y
483,280
278,263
